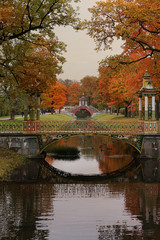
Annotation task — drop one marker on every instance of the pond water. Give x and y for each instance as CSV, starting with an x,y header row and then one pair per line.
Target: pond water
x,y
116,211
124,208
97,155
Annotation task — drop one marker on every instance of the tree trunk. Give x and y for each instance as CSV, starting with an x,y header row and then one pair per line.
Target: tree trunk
x,y
12,114
52,111
117,110
126,112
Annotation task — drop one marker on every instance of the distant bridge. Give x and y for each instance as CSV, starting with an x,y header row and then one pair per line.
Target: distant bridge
x,y
89,109
19,135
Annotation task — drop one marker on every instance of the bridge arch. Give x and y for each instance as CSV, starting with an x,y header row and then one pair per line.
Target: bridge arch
x,y
83,108
113,173
57,138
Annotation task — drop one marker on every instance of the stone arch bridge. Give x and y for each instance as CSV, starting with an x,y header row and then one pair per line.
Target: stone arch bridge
x,y
89,109
32,137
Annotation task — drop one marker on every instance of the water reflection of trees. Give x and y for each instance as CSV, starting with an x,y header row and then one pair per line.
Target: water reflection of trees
x,y
22,205
147,208
111,154
142,201
20,208
119,232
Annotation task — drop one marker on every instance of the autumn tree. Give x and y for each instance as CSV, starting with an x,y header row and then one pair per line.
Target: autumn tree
x,y
20,19
89,86
66,82
105,74
54,97
28,21
38,67
30,68
136,22
31,54
74,93
118,86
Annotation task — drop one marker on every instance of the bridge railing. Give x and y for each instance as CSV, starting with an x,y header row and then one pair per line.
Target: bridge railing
x,y
11,127
77,126
89,126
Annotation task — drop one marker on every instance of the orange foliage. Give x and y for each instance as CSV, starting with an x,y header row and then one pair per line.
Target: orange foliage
x,y
55,96
136,22
37,69
119,85
74,92
89,87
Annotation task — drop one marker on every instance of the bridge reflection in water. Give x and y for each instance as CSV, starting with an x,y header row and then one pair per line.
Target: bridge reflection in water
x,y
98,155
105,155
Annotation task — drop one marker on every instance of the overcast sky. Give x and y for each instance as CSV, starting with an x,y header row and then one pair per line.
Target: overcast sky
x,y
82,59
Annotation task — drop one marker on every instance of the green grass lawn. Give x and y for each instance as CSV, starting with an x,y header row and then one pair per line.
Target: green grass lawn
x,y
65,117
9,161
6,117
59,117
108,117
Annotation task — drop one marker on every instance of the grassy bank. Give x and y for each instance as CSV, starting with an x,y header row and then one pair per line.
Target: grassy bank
x,y
9,161
65,117
56,117
50,117
108,117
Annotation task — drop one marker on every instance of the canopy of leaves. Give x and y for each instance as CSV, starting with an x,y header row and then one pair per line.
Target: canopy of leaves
x,y
31,54
135,21
55,96
119,85
89,87
20,19
74,93
33,66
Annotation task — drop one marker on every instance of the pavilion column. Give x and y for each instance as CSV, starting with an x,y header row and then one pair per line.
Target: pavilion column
x,y
146,107
153,108
140,107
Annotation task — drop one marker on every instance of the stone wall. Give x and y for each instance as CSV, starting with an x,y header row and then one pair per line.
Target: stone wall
x,y
22,144
151,146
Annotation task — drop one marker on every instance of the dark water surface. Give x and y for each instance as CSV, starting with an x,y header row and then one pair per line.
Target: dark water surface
x,y
123,208
80,211
98,155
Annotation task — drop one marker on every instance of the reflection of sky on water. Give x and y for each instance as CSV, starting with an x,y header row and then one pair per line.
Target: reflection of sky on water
x,y
89,216
84,165
98,155
112,211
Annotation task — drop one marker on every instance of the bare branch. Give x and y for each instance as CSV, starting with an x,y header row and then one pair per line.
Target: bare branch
x,y
141,24
29,15
40,6
48,12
